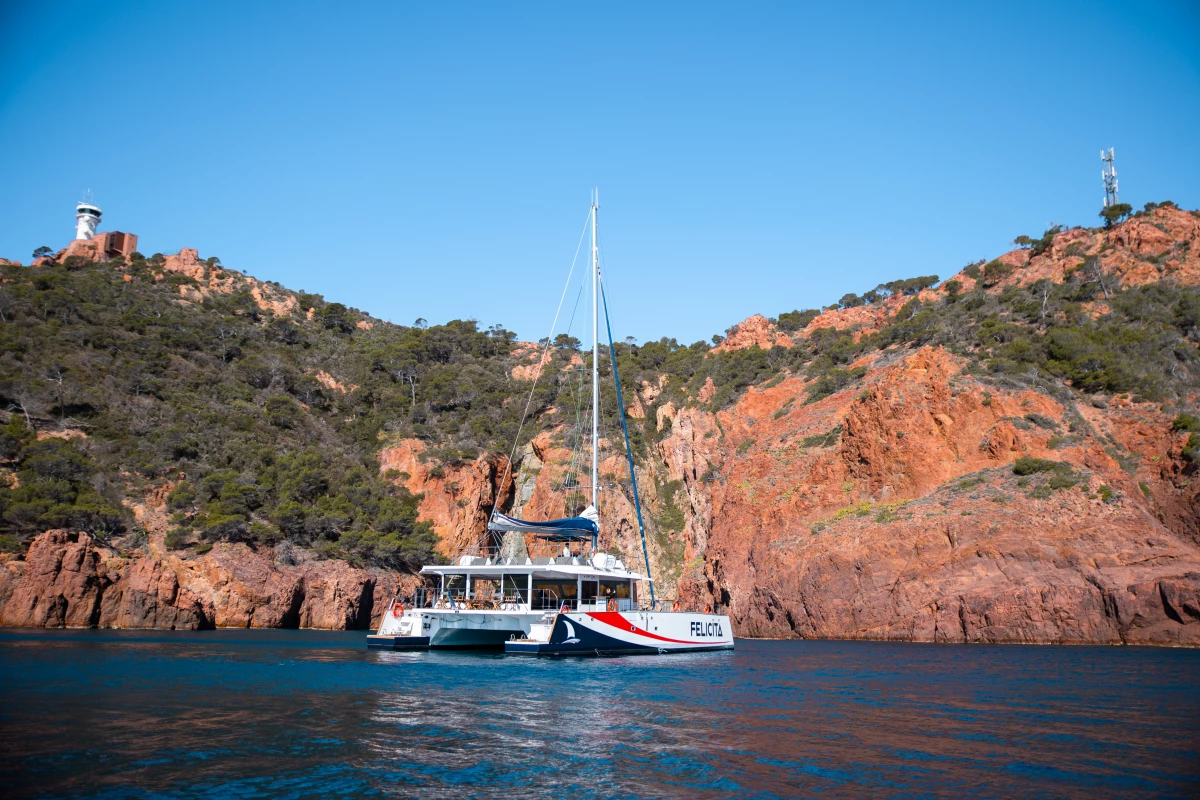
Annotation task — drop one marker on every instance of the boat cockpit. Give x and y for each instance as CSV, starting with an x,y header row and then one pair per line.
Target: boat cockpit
x,y
548,576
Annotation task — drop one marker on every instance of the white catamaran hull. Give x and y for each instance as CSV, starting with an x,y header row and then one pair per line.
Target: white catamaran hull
x,y
629,632
447,628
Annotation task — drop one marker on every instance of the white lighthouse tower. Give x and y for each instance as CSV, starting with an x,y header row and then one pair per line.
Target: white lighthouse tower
x,y
87,217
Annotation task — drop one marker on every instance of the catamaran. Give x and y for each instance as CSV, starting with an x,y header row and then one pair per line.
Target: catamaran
x,y
544,588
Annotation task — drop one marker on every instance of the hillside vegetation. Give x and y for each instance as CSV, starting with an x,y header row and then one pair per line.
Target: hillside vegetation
x,y
264,419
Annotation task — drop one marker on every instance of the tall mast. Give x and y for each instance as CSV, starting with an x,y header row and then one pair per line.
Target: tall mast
x,y
595,361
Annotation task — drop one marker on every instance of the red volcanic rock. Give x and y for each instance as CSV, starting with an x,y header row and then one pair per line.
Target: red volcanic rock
x,y
187,262
68,581
215,279
889,510
868,317
60,585
149,596
458,501
529,372
756,330
1168,234
965,568
868,536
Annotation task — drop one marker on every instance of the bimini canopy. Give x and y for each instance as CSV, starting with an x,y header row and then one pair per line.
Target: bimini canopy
x,y
555,530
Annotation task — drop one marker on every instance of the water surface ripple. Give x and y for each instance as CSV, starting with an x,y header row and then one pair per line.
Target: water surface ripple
x,y
248,714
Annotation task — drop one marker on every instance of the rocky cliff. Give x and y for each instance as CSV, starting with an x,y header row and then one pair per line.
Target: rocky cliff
x,y
70,580
891,509
941,488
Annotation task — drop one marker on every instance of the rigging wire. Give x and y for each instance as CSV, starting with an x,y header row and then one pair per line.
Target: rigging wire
x,y
637,505
541,357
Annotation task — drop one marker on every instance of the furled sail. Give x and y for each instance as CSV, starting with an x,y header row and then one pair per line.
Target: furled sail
x,y
558,530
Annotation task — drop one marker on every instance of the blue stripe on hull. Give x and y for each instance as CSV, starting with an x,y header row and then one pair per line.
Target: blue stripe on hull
x,y
587,642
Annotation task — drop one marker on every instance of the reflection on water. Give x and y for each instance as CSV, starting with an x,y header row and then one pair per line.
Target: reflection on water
x,y
309,714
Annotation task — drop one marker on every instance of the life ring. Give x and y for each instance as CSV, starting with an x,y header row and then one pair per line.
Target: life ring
x,y
397,610
675,606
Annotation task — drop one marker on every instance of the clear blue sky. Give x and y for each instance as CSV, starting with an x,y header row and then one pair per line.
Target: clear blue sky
x,y
435,160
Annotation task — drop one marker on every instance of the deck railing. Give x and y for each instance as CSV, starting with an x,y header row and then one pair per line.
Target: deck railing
x,y
511,600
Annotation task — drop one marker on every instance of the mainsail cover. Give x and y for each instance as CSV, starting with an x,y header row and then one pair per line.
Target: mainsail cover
x,y
559,530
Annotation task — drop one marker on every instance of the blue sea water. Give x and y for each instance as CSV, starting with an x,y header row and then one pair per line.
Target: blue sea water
x,y
249,714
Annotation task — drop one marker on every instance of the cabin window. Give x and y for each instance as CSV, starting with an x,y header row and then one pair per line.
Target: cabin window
x,y
561,589
590,590
483,587
552,593
619,589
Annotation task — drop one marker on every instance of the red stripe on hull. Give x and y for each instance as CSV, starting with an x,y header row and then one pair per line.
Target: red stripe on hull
x,y
615,619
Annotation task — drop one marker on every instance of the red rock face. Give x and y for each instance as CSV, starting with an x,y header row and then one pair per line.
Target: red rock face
x,y
874,536
68,581
458,500
891,511
755,331
60,585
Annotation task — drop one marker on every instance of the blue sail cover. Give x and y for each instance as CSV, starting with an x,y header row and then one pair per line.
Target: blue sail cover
x,y
555,530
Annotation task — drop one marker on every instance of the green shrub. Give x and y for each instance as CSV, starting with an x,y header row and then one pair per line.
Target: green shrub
x,y
1063,480
1191,449
1028,465
1186,422
182,496
282,411
796,320
670,517
177,538
1115,213
395,550
14,436
832,382
1042,421
995,271
910,286
827,439
224,527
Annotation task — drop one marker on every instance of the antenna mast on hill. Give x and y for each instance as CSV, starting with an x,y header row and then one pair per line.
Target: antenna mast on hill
x,y
1110,178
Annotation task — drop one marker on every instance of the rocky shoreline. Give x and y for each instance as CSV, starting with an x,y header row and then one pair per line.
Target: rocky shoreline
x,y
69,580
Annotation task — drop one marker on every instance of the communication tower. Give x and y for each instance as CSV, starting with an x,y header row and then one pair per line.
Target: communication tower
x,y
87,217
1110,178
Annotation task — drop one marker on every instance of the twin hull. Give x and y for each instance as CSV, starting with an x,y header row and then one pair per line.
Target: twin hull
x,y
580,633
